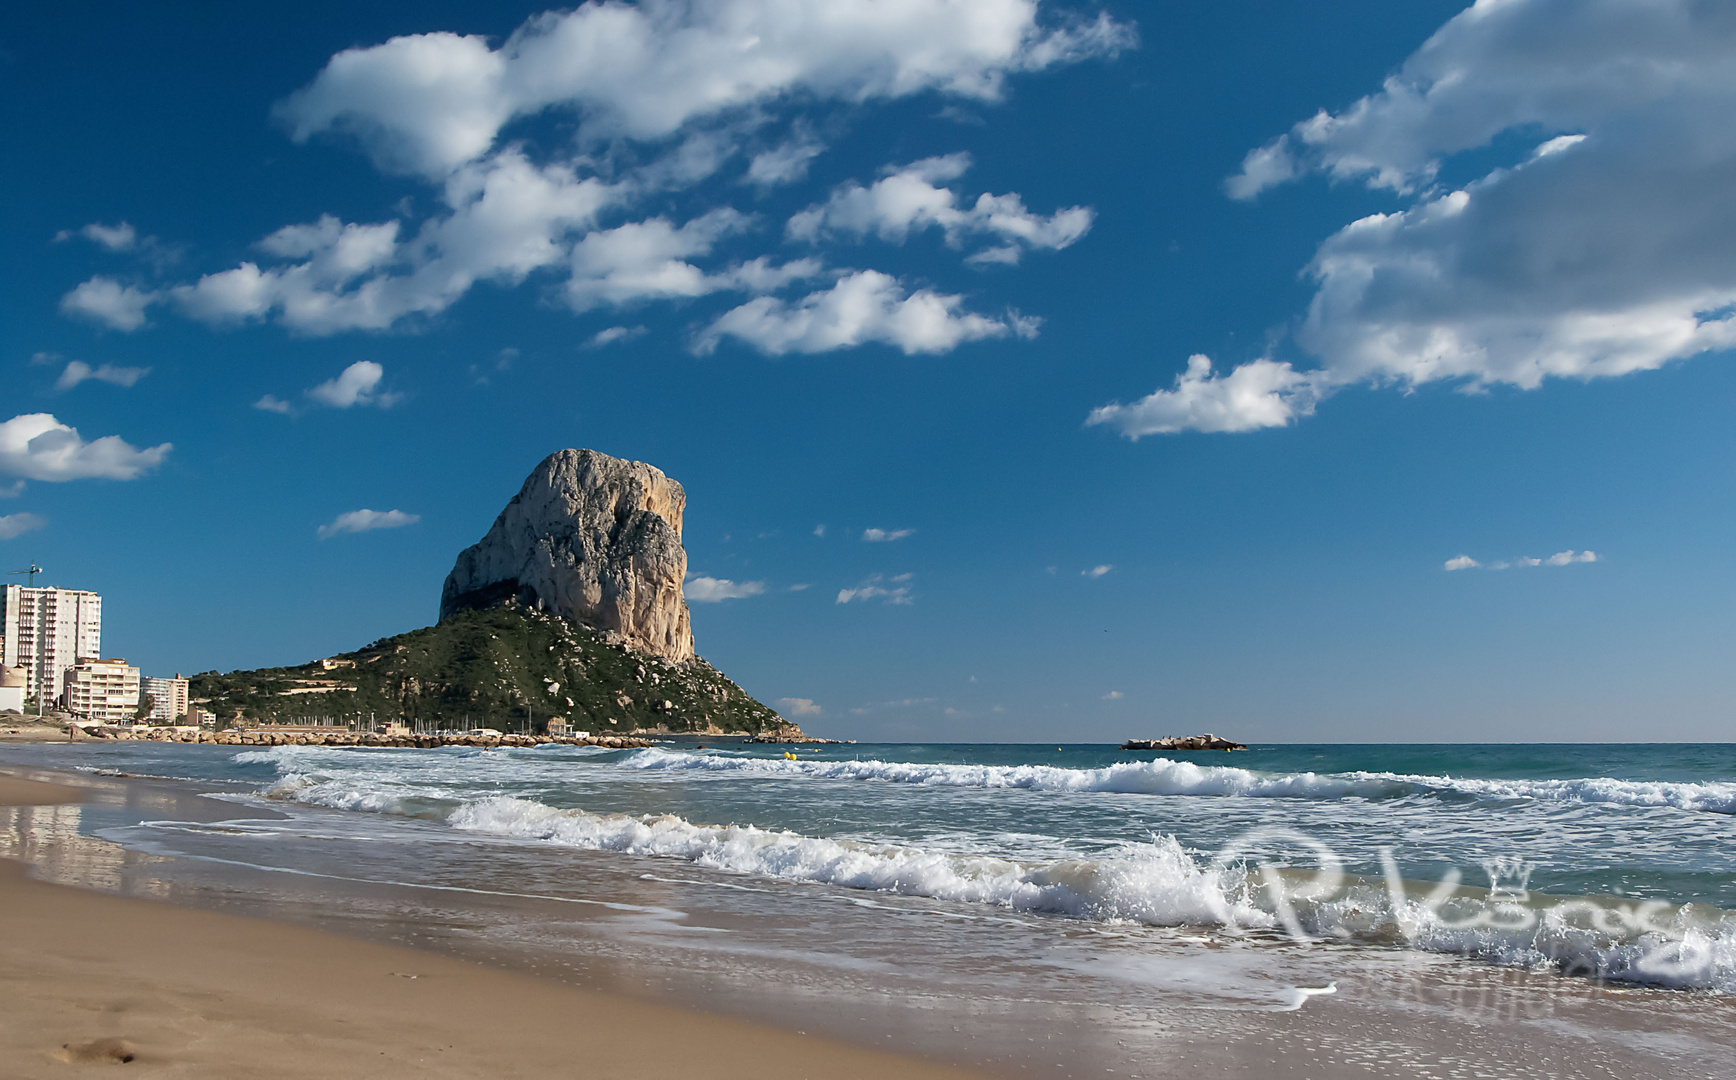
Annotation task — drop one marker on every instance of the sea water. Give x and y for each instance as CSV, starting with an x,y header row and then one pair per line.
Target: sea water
x,y
1615,863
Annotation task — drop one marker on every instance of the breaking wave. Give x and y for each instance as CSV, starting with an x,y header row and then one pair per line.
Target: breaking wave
x,y
1163,776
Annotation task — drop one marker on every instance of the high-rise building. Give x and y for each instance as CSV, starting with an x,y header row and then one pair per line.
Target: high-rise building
x,y
48,631
103,690
168,698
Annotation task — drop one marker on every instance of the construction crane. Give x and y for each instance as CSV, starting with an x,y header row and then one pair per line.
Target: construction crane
x,y
33,571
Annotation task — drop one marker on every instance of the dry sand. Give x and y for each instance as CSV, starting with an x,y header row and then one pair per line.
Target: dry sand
x,y
89,981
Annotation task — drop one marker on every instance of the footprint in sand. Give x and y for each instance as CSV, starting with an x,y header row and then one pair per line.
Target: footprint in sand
x,y
100,1052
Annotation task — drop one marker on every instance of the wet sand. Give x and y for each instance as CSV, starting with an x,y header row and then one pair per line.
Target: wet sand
x,y
88,981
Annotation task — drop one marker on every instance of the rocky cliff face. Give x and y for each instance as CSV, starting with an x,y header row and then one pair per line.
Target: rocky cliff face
x,y
591,538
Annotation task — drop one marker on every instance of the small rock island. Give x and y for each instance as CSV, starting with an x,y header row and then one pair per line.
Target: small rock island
x,y
1208,741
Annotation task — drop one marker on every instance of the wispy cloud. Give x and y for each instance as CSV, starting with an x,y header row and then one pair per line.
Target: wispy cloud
x,y
895,590
268,403
798,706
886,536
1097,571
1113,695
78,371
1560,558
614,334
710,590
359,521
12,525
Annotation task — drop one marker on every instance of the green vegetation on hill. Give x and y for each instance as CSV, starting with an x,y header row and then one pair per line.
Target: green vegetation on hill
x,y
504,667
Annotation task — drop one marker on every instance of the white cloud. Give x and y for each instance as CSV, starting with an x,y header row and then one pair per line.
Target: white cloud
x,y
894,590
1560,558
14,525
107,301
881,536
785,163
78,371
430,103
268,403
36,446
357,384
1609,248
864,306
710,590
358,521
1258,394
647,260
799,706
12,490
906,200
820,530
507,218
694,83
1097,571
121,237
613,334
1113,695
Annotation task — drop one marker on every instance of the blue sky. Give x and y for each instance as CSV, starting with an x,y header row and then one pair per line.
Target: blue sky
x,y
909,297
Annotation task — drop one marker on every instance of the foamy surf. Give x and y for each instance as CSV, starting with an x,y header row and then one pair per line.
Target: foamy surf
x,y
1163,776
1154,883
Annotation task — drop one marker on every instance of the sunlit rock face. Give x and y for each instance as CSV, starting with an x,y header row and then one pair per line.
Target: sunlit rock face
x,y
592,538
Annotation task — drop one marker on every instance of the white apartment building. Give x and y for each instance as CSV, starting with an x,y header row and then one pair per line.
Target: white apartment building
x,y
47,631
103,690
168,698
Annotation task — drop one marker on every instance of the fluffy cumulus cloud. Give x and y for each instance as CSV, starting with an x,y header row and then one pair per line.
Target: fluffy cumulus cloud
x,y
908,200
36,446
1607,247
107,301
884,536
360,521
13,525
652,98
1096,571
77,371
865,306
710,590
799,706
1260,394
429,103
358,384
1560,558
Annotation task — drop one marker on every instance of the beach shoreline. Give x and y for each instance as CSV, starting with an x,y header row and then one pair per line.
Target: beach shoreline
x,y
92,980
1408,1014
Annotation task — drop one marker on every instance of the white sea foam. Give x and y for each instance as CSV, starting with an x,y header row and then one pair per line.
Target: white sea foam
x,y
1156,883
1163,776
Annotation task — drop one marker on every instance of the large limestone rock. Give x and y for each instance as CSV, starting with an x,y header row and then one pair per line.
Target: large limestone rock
x,y
592,538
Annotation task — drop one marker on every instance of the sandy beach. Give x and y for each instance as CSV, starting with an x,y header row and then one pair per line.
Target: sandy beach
x,y
90,981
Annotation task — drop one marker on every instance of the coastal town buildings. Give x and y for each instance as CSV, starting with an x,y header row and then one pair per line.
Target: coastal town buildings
x,y
47,631
168,698
102,690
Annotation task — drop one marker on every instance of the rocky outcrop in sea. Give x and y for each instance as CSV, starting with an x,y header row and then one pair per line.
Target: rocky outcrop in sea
x,y
591,538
